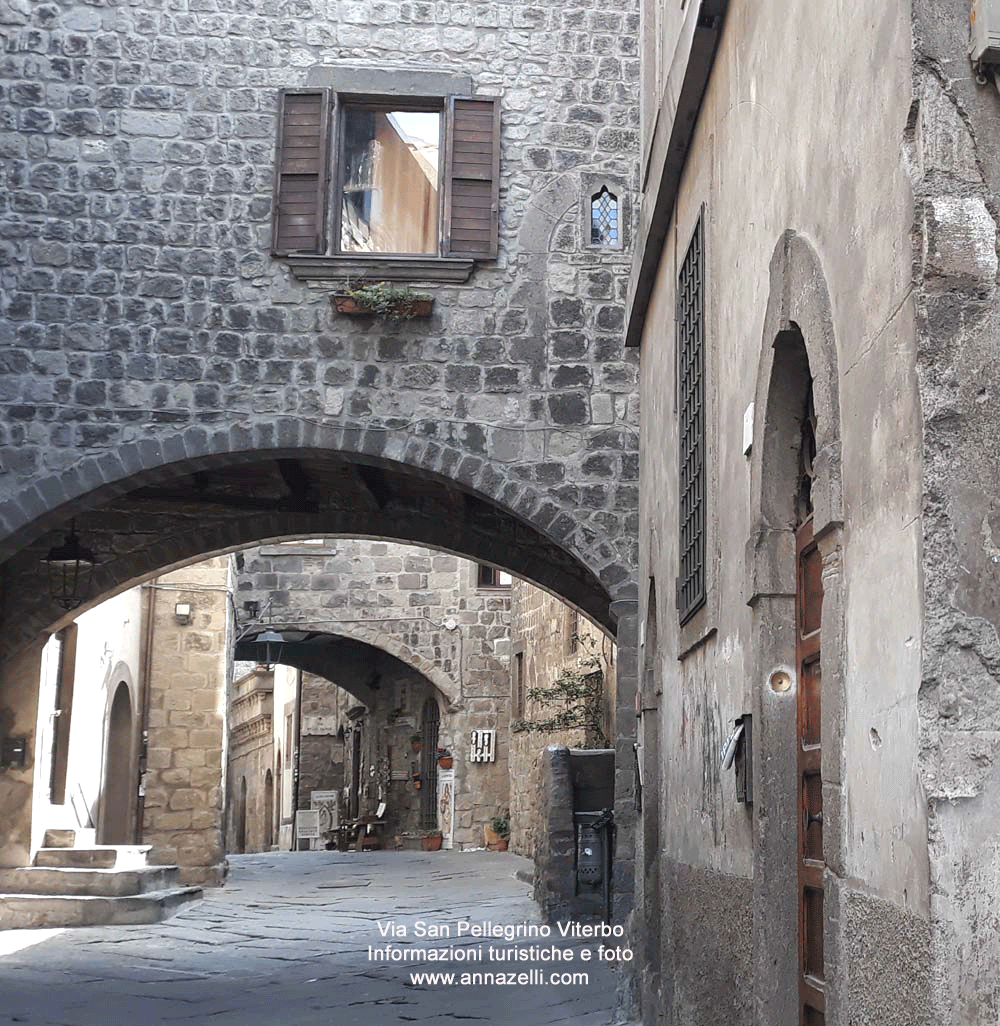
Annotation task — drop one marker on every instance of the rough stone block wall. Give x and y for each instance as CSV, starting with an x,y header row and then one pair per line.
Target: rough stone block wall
x,y
321,743
952,142
189,665
542,628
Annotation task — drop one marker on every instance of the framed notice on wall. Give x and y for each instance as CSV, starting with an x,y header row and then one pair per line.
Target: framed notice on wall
x,y
306,824
484,746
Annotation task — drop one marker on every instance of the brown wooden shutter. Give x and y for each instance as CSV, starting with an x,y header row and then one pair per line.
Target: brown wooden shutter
x,y
301,172
472,177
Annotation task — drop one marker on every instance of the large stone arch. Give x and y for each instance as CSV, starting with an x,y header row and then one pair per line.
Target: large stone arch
x,y
375,637
798,348
157,504
334,646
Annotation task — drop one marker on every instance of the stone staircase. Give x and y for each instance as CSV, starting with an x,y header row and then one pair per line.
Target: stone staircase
x,y
100,885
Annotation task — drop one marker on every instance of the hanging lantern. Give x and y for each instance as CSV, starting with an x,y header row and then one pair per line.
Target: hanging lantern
x,y
273,643
70,567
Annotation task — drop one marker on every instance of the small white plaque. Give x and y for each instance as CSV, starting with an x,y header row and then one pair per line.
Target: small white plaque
x,y
319,725
307,824
484,746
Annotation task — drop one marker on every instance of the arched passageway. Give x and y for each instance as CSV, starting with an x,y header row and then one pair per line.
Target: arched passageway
x,y
172,513
358,721
117,813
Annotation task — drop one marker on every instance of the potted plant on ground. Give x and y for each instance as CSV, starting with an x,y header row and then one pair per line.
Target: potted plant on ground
x,y
498,833
430,840
444,757
416,743
380,299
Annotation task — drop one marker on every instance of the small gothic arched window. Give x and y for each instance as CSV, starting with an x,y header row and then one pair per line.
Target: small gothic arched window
x,y
604,229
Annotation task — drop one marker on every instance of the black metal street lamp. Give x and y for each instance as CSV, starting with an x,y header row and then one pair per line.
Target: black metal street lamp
x,y
273,643
70,568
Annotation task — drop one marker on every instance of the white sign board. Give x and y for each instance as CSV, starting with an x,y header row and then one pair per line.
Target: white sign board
x,y
446,807
484,746
307,824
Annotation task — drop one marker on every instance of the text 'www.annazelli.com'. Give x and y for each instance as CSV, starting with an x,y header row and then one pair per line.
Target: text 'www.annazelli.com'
x,y
533,976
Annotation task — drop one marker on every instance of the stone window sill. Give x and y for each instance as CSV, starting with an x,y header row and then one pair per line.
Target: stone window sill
x,y
389,268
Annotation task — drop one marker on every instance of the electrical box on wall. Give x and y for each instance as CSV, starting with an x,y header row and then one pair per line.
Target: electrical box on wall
x,y
13,753
984,31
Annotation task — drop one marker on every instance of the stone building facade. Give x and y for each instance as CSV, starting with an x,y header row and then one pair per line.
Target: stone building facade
x,y
180,391
815,296
250,776
132,722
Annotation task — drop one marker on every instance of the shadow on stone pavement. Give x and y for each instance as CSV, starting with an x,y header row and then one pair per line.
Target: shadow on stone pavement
x,y
287,942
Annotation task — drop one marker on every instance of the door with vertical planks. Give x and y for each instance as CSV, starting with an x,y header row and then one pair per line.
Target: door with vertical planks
x,y
808,615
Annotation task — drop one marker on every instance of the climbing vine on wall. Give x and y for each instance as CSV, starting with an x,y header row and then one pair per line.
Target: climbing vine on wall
x,y
574,700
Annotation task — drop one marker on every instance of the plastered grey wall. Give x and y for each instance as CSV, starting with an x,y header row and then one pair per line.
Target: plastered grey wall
x,y
802,130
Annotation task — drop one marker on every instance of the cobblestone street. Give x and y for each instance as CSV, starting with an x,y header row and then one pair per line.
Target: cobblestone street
x,y
286,943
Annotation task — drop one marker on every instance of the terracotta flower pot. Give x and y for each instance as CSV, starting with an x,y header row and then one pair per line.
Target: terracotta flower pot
x,y
403,309
416,746
446,762
432,843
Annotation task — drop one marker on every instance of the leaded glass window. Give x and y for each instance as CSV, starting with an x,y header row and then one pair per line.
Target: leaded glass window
x,y
604,227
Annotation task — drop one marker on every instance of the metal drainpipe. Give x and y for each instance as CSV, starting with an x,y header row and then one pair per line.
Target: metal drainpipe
x,y
145,676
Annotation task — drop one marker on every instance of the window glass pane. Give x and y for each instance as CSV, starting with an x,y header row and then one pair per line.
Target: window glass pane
x,y
604,219
390,181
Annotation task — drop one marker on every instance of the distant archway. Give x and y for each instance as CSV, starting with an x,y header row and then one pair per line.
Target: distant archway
x,y
118,791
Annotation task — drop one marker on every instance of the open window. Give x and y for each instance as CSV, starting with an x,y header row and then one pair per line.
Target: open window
x,y
386,176
490,577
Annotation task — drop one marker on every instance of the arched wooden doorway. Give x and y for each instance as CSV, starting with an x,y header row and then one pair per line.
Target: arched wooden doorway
x,y
279,799
268,811
118,790
241,818
430,725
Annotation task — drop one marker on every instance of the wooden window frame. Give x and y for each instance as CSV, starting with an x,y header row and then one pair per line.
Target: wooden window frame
x,y
452,176
488,578
380,105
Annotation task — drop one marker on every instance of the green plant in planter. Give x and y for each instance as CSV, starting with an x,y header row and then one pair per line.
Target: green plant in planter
x,y
395,303
500,825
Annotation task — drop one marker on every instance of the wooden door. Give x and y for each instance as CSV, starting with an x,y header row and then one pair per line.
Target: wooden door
x,y
808,614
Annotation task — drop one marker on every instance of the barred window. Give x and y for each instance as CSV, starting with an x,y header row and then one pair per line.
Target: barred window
x,y
691,413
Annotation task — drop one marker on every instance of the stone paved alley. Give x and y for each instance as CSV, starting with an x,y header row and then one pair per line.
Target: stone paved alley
x,y
286,943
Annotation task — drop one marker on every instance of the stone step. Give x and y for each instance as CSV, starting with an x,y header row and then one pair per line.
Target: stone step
x,y
94,882
45,911
59,839
103,856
